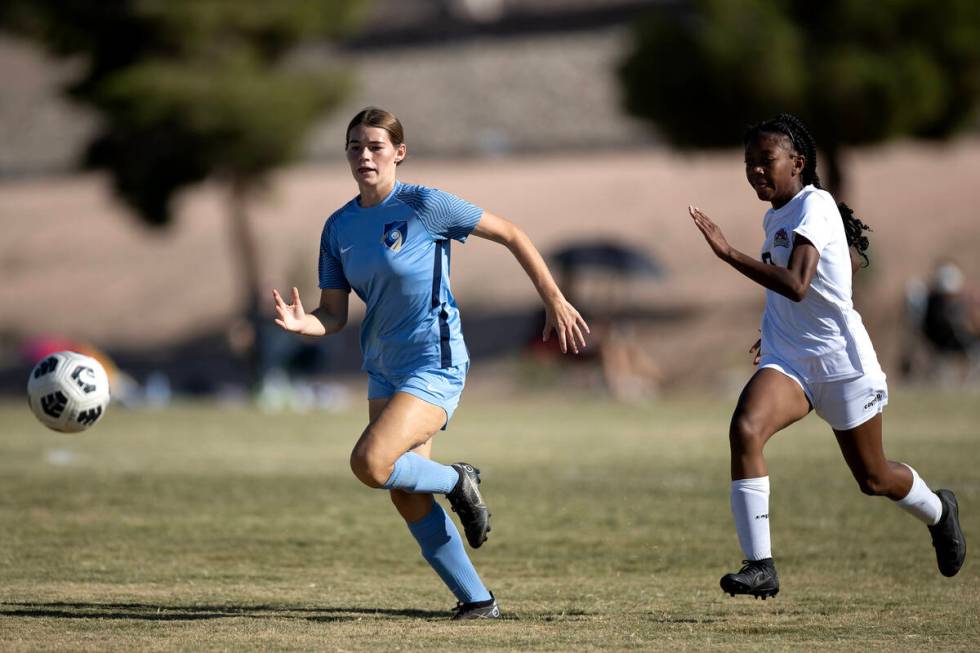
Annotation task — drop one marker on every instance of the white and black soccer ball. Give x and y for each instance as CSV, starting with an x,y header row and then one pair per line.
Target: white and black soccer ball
x,y
68,392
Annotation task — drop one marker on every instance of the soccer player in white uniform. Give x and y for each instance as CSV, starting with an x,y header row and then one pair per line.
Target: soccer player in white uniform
x,y
390,245
814,353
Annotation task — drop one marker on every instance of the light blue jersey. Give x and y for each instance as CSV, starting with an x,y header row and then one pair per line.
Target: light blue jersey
x,y
395,256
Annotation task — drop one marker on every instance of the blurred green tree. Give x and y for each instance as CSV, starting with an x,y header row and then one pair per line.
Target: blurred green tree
x,y
856,72
189,90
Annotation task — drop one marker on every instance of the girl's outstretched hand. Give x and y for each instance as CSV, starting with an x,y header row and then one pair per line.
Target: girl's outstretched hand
x,y
562,318
710,231
290,317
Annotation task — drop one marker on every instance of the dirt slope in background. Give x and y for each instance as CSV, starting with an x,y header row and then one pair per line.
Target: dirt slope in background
x,y
74,263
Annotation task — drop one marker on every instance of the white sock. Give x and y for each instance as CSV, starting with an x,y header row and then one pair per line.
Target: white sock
x,y
921,502
750,506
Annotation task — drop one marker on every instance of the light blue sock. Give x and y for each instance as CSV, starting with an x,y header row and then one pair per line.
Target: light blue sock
x,y
419,475
442,547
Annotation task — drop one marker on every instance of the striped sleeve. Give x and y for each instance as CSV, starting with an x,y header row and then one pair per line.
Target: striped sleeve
x,y
444,215
331,270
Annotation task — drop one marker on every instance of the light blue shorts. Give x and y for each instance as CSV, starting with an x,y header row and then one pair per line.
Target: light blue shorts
x,y
439,387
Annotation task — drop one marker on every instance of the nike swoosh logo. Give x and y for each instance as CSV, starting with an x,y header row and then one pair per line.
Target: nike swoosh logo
x,y
344,250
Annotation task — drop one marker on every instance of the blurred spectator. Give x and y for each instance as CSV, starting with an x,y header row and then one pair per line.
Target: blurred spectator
x,y
627,370
614,357
630,373
292,373
947,316
948,322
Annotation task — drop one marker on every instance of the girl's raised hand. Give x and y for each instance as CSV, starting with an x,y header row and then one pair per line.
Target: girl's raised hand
x,y
710,231
290,317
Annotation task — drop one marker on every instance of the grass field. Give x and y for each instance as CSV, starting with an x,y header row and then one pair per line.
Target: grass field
x,y
205,528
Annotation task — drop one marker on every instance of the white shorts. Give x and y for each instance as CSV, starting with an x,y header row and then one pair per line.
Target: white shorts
x,y
842,404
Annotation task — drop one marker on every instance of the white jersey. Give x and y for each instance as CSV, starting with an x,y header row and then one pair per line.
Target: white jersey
x,y
822,336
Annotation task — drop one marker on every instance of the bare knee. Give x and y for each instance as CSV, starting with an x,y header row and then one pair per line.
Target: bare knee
x,y
746,434
369,466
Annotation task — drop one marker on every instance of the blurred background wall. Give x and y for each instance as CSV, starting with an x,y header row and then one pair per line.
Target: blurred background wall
x,y
525,108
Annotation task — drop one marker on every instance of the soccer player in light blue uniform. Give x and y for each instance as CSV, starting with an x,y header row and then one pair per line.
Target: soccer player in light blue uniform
x,y
391,246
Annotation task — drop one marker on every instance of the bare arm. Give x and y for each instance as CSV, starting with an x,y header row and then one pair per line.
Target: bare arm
x,y
791,282
855,260
560,315
329,317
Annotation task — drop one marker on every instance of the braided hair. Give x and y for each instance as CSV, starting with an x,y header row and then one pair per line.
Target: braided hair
x,y
802,141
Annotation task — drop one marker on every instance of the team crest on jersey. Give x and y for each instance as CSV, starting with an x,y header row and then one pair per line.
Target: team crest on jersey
x,y
781,239
395,234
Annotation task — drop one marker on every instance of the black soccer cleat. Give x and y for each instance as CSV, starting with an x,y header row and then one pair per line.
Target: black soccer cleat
x,y
477,610
947,536
756,577
467,502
